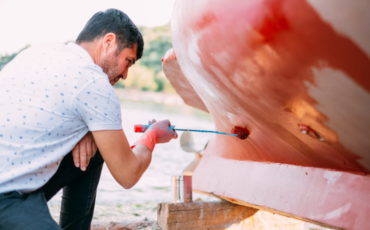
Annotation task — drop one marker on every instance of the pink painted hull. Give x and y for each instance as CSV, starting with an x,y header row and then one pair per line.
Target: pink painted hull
x,y
296,74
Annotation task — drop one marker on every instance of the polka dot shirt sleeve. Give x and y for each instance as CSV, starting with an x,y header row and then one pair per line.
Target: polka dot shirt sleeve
x,y
99,106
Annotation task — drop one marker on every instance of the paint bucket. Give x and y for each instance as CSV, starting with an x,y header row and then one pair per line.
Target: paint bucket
x,y
182,189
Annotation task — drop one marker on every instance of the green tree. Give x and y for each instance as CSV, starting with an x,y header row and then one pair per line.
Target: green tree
x,y
154,53
152,59
139,77
8,57
5,59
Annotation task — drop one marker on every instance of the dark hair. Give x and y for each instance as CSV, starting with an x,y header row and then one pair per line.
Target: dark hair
x,y
113,21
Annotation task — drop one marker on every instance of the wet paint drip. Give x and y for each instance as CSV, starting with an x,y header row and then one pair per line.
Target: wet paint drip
x,y
306,129
241,132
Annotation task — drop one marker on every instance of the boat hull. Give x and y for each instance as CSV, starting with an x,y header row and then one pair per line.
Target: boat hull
x,y
295,75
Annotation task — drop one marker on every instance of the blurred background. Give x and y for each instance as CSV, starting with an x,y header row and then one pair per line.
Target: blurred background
x,y
146,94
27,23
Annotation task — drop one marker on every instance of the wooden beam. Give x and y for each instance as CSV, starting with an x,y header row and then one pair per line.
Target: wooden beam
x,y
321,196
201,215
223,215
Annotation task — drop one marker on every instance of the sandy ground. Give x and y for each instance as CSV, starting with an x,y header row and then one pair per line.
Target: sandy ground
x,y
136,208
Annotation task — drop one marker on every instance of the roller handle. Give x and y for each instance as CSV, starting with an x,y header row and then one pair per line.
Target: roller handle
x,y
241,133
140,128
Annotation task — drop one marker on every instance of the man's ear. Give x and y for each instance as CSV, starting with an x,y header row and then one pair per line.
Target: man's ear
x,y
109,42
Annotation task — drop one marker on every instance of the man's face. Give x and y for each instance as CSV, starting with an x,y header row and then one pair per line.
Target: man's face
x,y
116,65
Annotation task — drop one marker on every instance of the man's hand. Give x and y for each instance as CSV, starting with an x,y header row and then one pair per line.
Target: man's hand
x,y
158,132
161,131
84,151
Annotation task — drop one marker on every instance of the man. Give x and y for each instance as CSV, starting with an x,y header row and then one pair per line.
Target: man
x,y
57,105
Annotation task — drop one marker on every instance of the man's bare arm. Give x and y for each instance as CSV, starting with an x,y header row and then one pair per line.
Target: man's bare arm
x,y
125,164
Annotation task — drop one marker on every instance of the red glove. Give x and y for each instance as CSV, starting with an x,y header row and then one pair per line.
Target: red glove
x,y
158,132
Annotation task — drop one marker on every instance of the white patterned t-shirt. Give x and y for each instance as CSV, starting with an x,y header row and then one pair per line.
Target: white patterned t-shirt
x,y
50,97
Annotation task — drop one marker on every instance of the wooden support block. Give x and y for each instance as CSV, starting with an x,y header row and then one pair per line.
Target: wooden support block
x,y
201,215
222,215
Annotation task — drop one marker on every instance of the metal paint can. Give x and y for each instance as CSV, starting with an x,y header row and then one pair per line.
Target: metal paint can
x,y
182,189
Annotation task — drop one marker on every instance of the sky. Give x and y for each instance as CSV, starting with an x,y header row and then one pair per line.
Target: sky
x,y
24,22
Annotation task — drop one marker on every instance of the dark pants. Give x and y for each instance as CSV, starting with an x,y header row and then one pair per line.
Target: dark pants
x,y
30,211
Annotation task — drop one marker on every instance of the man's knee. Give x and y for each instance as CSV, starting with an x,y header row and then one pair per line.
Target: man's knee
x,y
25,211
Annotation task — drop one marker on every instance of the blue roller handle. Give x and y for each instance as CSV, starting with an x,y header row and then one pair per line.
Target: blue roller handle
x,y
144,127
